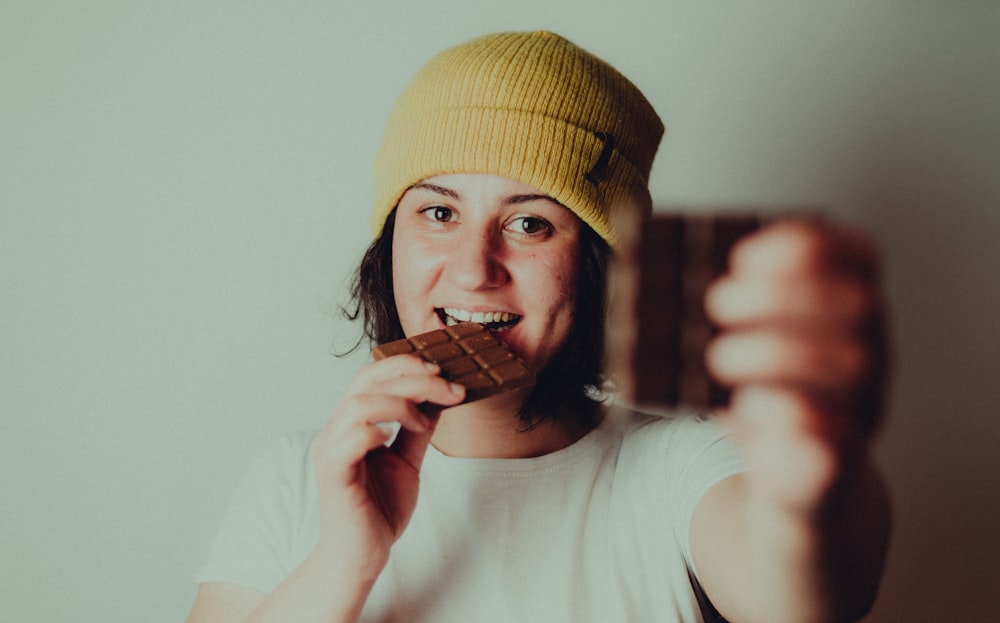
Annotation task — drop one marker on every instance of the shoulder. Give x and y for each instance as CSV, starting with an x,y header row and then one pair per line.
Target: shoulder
x,y
281,474
670,430
269,522
676,447
286,455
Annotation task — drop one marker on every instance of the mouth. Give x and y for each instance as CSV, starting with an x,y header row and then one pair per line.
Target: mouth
x,y
493,320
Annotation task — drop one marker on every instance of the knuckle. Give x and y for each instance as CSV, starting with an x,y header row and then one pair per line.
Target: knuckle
x,y
853,362
855,300
353,403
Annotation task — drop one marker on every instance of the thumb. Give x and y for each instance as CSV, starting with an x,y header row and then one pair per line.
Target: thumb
x,y
411,446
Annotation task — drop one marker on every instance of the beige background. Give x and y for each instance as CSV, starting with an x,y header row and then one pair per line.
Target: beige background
x,y
185,185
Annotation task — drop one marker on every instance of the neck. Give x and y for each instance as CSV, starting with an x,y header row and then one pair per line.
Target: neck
x,y
490,428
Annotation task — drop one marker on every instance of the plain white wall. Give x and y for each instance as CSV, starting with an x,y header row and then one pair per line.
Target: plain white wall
x,y
184,187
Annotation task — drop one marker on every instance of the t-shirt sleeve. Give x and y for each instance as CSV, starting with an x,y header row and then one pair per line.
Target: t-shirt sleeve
x,y
714,457
264,532
682,457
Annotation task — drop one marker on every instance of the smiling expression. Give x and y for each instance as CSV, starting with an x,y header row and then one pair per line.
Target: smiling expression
x,y
490,250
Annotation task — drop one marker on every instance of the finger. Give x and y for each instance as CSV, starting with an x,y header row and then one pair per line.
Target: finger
x,y
410,378
377,374
828,362
422,388
412,445
347,444
795,414
798,247
378,409
338,456
789,442
735,301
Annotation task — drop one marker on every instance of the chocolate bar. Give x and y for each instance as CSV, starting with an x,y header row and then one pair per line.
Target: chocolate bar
x,y
657,327
468,355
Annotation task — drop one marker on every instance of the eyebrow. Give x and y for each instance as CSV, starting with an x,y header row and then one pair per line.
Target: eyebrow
x,y
509,200
441,190
514,199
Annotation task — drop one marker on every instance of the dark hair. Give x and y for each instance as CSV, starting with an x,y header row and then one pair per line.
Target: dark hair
x,y
372,295
568,388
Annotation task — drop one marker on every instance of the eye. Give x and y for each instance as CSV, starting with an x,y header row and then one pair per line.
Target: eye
x,y
530,226
441,214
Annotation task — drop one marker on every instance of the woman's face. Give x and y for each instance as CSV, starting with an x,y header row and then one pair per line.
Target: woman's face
x,y
491,250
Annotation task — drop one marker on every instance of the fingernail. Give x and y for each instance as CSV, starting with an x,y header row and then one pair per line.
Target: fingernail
x,y
432,367
458,390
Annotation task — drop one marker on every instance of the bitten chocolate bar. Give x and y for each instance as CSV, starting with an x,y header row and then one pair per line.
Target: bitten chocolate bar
x,y
657,327
469,355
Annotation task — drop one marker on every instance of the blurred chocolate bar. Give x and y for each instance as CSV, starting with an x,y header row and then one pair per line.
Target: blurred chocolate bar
x,y
657,328
469,355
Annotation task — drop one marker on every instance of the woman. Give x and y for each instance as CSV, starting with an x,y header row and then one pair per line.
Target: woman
x,y
502,170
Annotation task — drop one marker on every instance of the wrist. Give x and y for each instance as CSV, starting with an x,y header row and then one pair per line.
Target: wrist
x,y
349,564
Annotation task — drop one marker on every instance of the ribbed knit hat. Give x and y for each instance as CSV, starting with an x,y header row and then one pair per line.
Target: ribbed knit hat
x,y
531,107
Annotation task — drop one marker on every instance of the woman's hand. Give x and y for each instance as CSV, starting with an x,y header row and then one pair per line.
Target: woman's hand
x,y
367,490
803,347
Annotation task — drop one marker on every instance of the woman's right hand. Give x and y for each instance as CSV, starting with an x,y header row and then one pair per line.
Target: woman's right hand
x,y
368,491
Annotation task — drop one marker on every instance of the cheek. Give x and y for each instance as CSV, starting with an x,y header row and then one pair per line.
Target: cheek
x,y
416,268
558,282
405,278
409,261
564,293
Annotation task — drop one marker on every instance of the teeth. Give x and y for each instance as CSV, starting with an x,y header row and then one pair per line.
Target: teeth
x,y
454,316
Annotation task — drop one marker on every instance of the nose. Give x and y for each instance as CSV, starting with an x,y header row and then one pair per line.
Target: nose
x,y
476,261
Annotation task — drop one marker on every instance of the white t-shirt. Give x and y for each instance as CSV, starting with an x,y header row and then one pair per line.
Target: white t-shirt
x,y
598,531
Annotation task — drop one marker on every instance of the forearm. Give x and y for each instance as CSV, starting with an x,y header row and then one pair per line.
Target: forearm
x,y
321,590
822,565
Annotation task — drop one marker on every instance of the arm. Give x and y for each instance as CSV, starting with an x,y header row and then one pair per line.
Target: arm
x,y
367,493
319,589
773,565
802,536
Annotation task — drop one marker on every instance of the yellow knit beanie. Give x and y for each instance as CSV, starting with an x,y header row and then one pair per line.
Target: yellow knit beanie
x,y
529,106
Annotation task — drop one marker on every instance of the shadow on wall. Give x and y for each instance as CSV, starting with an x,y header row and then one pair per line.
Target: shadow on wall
x,y
935,206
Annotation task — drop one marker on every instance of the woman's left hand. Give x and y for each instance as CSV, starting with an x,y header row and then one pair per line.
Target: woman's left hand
x,y
803,346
